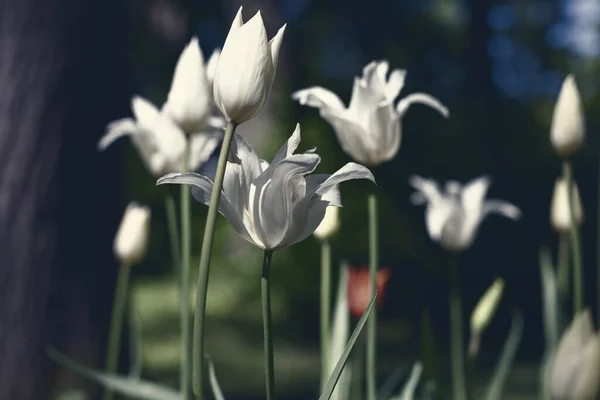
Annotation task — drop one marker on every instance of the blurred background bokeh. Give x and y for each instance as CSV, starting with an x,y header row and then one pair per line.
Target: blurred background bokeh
x,y
69,67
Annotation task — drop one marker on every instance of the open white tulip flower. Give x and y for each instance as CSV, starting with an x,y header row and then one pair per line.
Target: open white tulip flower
x,y
246,68
575,367
160,136
273,205
560,214
369,130
131,241
567,132
453,216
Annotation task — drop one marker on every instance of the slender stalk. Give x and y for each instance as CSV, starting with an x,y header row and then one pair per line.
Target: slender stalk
x,y
564,267
116,324
184,286
372,323
598,252
172,227
325,309
265,284
578,295
203,271
457,347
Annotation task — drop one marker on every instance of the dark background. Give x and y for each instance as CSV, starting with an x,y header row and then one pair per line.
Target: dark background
x,y
497,65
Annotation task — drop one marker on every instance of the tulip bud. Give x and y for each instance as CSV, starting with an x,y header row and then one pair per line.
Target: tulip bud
x,y
484,312
189,102
568,125
359,288
329,225
575,368
132,238
246,68
560,215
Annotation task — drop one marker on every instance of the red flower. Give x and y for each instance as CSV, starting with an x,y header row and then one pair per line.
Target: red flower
x,y
359,288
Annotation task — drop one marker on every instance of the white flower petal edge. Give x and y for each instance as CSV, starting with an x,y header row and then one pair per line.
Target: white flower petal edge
x,y
273,205
453,217
369,129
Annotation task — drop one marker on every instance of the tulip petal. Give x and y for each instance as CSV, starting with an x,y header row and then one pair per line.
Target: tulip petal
x,y
116,130
202,146
288,147
586,379
395,84
386,131
242,153
427,187
567,131
319,97
274,46
437,215
144,111
421,98
353,138
272,212
201,191
188,101
472,200
501,207
348,172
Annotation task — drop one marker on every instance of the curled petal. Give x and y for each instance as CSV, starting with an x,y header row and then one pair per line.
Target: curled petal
x,y
422,98
201,191
427,187
503,208
115,130
348,172
319,97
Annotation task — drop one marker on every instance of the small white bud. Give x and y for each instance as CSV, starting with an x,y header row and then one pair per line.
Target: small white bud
x,y
486,307
568,125
560,215
329,225
131,240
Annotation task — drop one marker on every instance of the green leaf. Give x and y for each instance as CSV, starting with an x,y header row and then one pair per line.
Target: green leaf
x,y
507,358
339,335
214,382
128,387
333,379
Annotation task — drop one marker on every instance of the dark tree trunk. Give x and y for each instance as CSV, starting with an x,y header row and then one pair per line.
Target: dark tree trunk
x,y
62,69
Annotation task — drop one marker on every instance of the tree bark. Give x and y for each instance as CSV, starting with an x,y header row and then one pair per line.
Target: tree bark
x,y
62,78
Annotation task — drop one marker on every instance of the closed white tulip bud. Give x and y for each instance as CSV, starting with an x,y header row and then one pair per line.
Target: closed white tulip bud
x,y
568,125
560,215
131,241
329,225
486,307
189,102
246,68
575,368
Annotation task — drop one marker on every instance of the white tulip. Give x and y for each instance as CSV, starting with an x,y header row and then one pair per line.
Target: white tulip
x,y
568,125
330,224
189,101
273,205
575,368
560,215
369,130
246,68
131,240
160,142
453,217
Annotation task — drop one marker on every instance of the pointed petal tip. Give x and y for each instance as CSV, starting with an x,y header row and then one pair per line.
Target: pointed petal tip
x,y
168,178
